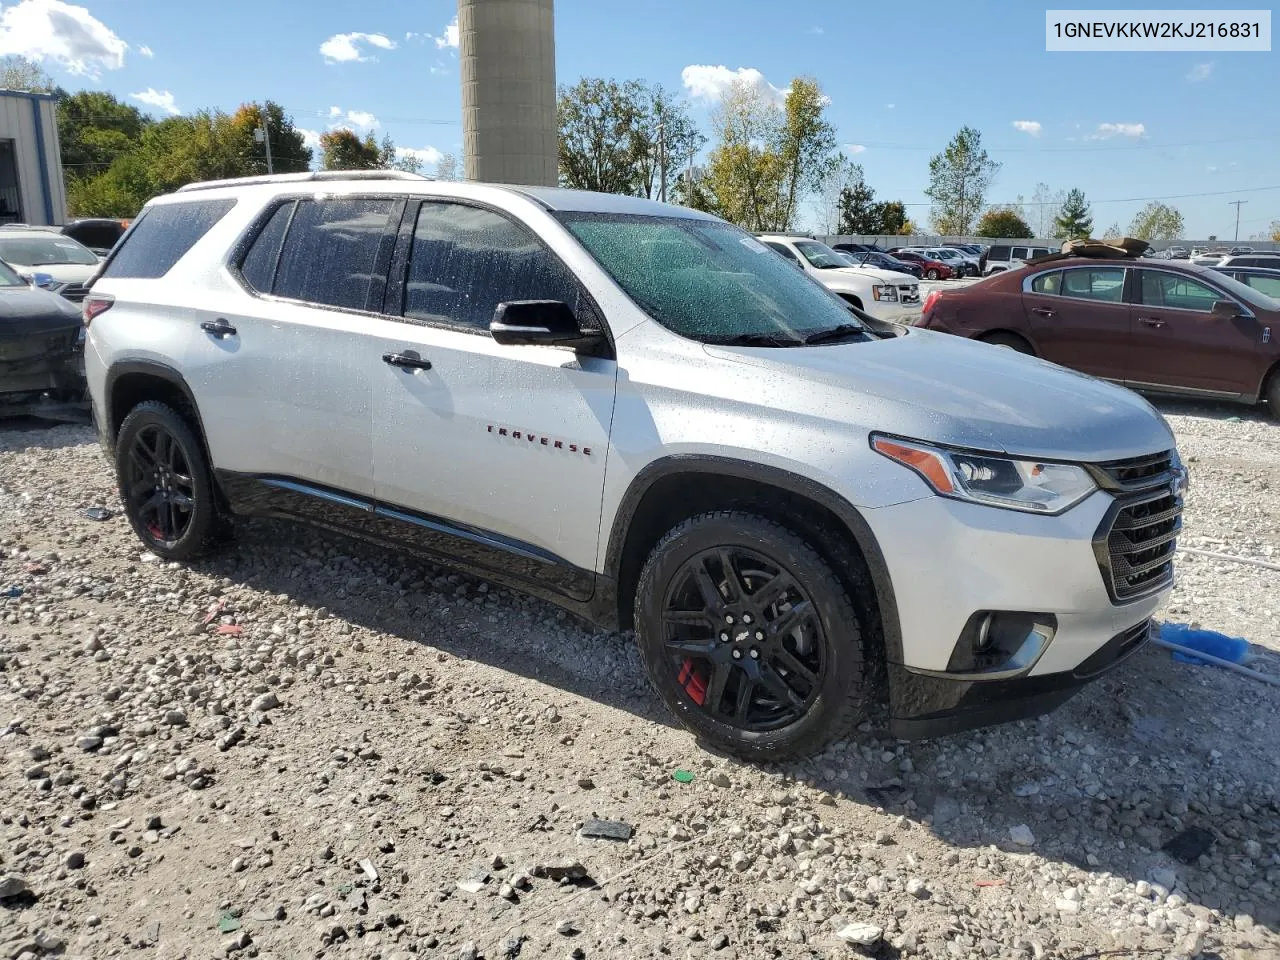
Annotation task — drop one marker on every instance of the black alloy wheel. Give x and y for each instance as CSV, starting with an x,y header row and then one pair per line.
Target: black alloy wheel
x,y
164,481
743,638
750,637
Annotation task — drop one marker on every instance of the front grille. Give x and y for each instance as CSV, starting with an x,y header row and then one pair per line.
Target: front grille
x,y
74,291
909,293
1138,537
1118,648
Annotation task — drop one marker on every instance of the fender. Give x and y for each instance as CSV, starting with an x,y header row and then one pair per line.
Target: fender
x,y
776,477
151,368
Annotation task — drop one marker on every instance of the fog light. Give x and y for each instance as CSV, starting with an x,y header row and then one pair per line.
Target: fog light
x,y
999,643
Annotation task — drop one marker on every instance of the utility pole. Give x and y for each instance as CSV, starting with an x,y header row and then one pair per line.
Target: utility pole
x,y
262,137
1236,204
662,160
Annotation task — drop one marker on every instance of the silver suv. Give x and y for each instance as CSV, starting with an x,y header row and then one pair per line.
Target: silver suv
x,y
640,413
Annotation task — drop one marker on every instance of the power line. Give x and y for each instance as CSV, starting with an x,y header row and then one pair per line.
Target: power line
x,y
889,145
1168,196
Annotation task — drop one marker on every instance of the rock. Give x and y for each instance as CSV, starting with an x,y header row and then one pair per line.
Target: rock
x,y
1067,906
468,951
586,783
265,702
740,861
607,829
73,860
566,927
720,779
916,888
175,718
12,885
884,838
1022,835
1026,789
88,743
368,869
945,809
1164,877
861,934
507,892
560,870
470,886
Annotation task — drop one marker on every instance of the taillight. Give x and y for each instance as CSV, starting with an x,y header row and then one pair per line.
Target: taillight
x,y
94,305
930,300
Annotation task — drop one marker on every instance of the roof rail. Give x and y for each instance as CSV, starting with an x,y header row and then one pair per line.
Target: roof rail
x,y
311,175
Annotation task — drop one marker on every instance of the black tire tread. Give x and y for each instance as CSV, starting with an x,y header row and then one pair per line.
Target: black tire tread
x,y
853,707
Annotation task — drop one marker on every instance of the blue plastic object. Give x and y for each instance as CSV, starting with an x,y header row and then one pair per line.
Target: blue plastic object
x,y
1233,649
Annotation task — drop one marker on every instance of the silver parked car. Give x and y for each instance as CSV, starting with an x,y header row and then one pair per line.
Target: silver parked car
x,y
643,414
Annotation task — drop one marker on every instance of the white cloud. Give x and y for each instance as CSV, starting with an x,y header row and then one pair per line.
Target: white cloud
x,y
310,138
1211,169
160,99
354,119
427,156
710,83
1028,126
855,148
146,51
68,35
816,31
1106,131
450,36
347,47
1200,72
890,106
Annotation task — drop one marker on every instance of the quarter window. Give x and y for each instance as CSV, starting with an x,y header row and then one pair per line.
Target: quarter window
x,y
259,265
161,237
465,261
783,249
331,253
1106,284
1178,292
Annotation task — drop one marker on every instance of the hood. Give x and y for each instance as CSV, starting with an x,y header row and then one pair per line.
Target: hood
x,y
873,273
25,311
945,389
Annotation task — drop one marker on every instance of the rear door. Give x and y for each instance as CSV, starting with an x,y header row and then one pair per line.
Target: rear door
x,y
287,367
1180,345
1079,318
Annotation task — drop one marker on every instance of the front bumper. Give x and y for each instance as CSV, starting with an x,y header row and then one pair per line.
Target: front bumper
x,y
949,560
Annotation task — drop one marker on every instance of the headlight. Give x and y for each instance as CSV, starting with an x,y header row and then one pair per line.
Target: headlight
x,y
1014,484
884,292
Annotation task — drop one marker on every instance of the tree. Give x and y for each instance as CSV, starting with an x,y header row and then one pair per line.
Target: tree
x,y
598,121
1003,222
663,136
1113,232
94,128
20,73
1073,220
1157,221
289,150
860,213
447,167
908,229
743,180
1275,230
958,182
341,149
806,144
1044,205
893,220
842,176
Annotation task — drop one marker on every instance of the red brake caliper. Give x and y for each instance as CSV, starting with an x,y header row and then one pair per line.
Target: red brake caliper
x,y
694,683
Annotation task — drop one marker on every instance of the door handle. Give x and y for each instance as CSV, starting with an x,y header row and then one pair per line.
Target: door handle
x,y
1043,311
219,328
406,361
1151,321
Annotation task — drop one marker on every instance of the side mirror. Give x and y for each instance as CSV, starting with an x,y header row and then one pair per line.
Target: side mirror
x,y
1225,310
542,322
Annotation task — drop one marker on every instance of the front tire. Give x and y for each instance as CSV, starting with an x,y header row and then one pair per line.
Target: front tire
x,y
165,482
750,638
931,274
1273,395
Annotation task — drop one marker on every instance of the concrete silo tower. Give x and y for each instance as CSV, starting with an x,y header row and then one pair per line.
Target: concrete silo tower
x,y
509,128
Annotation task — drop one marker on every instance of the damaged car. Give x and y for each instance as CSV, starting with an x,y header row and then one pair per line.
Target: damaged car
x,y
41,351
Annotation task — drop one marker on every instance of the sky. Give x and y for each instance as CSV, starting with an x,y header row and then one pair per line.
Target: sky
x,y
1197,130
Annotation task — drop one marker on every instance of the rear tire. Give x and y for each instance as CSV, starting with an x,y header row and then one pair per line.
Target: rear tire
x,y
931,274
1273,394
1010,341
750,638
166,483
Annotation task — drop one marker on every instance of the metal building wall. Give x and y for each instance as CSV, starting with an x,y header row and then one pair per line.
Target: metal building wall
x,y
31,121
508,55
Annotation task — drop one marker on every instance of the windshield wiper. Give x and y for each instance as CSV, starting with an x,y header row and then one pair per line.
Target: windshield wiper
x,y
759,340
835,333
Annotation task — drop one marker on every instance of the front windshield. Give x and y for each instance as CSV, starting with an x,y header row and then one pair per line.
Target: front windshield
x,y
709,281
819,254
8,278
38,250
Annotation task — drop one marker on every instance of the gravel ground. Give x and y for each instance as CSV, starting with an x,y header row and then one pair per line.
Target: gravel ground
x,y
303,748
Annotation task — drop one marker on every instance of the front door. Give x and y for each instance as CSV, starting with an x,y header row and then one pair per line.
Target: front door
x,y
501,446
1179,344
1079,319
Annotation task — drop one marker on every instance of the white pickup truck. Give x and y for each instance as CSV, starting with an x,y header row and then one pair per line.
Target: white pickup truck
x,y
884,294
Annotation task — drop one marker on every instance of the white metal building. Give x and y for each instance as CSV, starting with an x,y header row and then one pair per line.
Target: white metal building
x,y
31,187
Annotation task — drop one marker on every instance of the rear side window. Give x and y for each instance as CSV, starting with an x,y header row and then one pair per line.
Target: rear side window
x,y
331,252
259,265
998,252
1019,253
162,236
1092,283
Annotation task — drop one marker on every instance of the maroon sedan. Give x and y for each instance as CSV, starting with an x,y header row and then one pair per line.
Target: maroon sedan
x,y
1168,328
930,269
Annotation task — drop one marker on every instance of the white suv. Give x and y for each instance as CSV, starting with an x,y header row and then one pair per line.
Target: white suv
x,y
885,294
642,414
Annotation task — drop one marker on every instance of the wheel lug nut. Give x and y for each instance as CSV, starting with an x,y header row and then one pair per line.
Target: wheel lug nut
x,y
737,654
724,636
755,654
728,618
746,618
759,634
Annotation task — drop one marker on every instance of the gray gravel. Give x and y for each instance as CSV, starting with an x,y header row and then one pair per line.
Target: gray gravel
x,y
303,747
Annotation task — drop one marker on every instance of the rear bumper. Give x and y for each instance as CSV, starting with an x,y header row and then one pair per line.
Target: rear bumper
x,y
929,705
